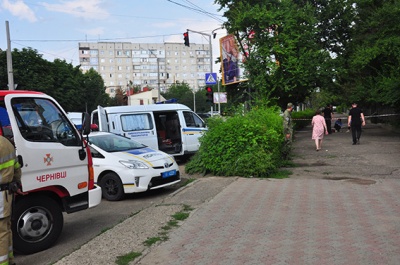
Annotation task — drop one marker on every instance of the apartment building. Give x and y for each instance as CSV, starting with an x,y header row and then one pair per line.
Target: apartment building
x,y
153,65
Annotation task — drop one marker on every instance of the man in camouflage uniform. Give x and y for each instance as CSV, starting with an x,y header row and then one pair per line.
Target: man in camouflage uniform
x,y
287,123
10,181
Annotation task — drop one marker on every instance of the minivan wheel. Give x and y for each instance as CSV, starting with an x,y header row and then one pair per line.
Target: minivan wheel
x,y
111,187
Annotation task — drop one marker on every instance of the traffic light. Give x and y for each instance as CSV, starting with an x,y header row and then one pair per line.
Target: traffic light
x,y
209,95
186,38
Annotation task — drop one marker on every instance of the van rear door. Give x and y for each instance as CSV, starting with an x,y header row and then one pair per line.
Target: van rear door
x,y
102,119
138,126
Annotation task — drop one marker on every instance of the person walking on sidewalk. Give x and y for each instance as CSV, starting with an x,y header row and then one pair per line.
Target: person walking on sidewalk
x,y
10,181
355,121
319,129
287,123
328,115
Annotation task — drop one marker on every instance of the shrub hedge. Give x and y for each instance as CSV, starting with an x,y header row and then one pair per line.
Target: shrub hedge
x,y
243,145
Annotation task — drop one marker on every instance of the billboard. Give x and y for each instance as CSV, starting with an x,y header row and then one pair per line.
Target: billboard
x,y
230,57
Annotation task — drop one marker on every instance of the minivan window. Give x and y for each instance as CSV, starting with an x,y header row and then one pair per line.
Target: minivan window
x,y
136,122
192,120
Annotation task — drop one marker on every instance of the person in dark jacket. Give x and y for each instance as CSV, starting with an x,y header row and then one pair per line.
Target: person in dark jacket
x,y
328,115
355,121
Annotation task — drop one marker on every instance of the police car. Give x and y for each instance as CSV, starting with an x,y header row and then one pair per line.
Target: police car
x,y
122,166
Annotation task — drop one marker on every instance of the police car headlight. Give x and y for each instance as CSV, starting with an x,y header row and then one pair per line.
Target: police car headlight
x,y
134,164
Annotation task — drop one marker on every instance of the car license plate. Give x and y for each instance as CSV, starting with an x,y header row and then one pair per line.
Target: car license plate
x,y
168,173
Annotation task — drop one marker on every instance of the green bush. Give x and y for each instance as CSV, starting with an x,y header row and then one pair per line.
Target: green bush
x,y
246,146
302,118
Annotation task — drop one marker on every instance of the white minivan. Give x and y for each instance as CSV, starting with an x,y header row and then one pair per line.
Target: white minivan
x,y
172,128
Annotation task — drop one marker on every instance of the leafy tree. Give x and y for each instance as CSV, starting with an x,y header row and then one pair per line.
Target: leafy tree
x,y
74,90
284,62
372,58
93,86
181,92
30,70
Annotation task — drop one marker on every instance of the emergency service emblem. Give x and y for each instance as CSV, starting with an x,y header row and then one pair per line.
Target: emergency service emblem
x,y
48,159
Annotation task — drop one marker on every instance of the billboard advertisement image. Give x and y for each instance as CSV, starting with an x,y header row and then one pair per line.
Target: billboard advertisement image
x,y
230,57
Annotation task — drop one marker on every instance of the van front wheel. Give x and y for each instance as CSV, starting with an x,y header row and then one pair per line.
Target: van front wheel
x,y
37,224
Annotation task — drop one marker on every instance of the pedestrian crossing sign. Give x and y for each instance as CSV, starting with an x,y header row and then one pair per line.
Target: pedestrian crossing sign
x,y
211,78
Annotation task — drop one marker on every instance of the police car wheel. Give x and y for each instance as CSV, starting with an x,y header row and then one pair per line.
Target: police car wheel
x,y
111,187
37,224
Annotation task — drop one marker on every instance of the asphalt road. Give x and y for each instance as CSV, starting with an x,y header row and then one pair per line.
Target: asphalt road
x,y
83,226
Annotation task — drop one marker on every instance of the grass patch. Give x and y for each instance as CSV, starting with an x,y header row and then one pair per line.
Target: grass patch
x,y
152,240
172,223
188,181
125,259
162,235
105,230
187,208
180,216
288,163
281,174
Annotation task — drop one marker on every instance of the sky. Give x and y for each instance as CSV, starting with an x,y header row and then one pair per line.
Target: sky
x,y
54,27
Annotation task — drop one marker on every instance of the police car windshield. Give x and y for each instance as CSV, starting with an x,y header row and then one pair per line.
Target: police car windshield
x,y
114,143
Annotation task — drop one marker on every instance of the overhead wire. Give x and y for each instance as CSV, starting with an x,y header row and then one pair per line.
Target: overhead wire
x,y
197,9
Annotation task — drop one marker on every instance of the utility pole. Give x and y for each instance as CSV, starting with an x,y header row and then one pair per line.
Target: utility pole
x,y
9,60
158,79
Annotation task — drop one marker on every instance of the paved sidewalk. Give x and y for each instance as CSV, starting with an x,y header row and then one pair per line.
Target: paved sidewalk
x,y
311,221
340,206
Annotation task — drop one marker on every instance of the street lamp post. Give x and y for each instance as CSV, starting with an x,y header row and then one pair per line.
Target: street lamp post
x,y
209,41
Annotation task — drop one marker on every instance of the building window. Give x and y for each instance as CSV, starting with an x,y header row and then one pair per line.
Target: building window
x,y
94,60
111,60
94,52
111,52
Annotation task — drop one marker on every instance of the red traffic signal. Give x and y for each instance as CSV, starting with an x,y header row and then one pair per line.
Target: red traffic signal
x,y
209,95
186,38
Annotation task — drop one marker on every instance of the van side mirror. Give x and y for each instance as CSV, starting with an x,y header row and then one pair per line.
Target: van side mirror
x,y
85,123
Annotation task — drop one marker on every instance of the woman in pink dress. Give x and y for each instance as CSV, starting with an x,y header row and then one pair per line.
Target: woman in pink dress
x,y
319,129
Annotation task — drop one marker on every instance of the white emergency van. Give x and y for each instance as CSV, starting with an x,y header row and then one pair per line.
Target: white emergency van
x,y
56,164
172,128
